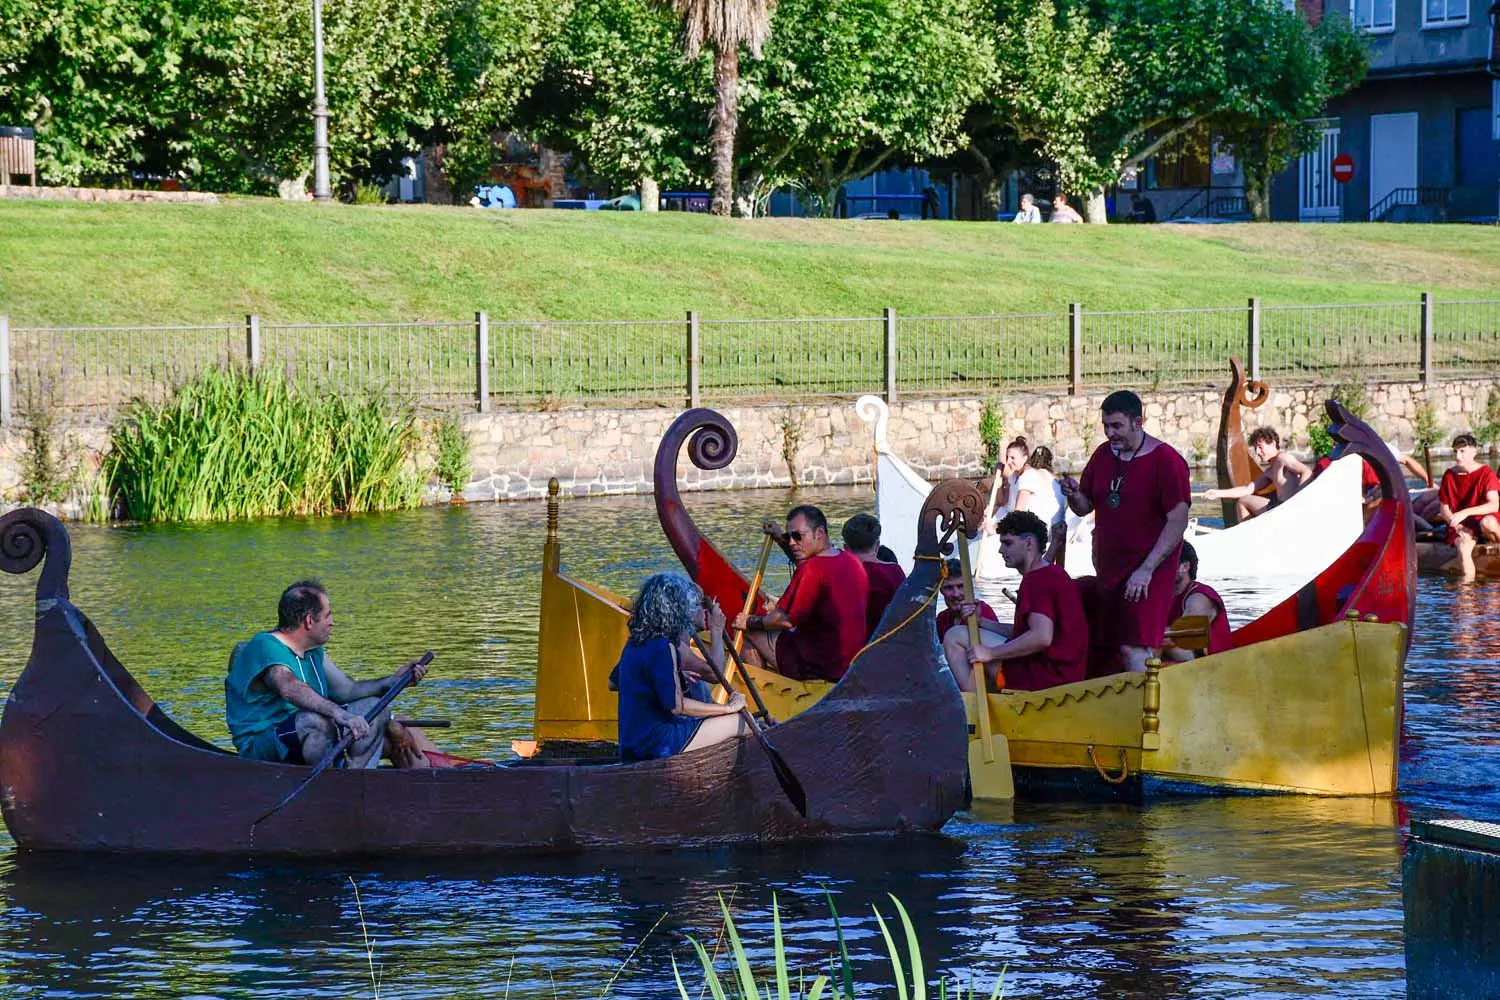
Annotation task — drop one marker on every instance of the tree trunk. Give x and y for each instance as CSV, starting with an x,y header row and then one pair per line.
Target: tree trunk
x,y
1258,196
988,184
1094,209
723,123
650,194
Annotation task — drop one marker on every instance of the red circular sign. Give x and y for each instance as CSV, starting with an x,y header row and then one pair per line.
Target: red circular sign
x,y
1342,168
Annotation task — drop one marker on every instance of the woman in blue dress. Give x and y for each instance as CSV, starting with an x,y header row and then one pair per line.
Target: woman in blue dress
x,y
664,711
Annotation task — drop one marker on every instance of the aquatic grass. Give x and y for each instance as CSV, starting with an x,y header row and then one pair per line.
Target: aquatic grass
x,y
236,444
742,984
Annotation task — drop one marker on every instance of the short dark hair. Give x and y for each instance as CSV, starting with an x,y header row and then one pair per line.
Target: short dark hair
x,y
1189,555
1121,401
303,598
955,568
1024,522
884,554
1266,434
1466,439
811,514
861,533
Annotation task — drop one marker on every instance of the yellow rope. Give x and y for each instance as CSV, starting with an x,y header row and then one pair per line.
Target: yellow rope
x,y
931,596
1124,766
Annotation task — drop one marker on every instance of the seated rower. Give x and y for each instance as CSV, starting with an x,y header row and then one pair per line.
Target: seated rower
x,y
819,623
1048,643
952,616
1469,499
285,700
862,539
664,709
1278,468
1193,598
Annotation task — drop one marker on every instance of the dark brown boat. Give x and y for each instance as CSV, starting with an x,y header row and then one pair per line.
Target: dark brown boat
x,y
1236,466
90,763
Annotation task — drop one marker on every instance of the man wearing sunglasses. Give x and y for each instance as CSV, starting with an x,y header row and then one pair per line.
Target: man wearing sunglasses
x,y
819,623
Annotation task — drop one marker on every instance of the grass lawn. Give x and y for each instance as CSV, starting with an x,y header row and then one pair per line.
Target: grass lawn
x,y
66,263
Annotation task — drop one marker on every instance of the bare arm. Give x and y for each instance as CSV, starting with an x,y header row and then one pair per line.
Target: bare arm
x,y
343,688
286,685
1037,637
695,709
1491,505
1245,490
1077,502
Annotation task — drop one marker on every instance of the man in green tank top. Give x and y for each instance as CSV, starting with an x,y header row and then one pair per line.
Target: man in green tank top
x,y
285,700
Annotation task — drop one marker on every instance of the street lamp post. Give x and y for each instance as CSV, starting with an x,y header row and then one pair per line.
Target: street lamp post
x,y
321,190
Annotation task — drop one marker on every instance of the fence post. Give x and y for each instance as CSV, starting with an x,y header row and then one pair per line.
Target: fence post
x,y
1075,348
1427,379
694,354
5,371
482,359
252,341
1252,349
890,355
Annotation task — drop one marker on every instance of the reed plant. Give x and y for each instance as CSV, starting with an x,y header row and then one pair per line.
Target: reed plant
x,y
235,444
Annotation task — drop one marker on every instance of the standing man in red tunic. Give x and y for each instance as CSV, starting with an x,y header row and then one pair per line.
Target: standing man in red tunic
x,y
1194,598
1469,499
819,623
862,540
1048,644
1138,487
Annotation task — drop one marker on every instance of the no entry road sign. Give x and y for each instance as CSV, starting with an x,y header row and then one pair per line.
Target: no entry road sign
x,y
1342,168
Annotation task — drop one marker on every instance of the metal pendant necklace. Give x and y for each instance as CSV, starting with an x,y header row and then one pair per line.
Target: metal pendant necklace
x,y
1112,498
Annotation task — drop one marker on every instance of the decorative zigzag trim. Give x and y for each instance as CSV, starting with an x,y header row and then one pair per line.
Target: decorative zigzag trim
x,y
1114,684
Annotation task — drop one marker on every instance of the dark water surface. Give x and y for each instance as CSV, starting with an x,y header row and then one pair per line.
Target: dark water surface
x,y
1245,897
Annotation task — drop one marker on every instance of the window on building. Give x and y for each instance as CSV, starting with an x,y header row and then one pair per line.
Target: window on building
x,y
1182,163
1373,15
1445,12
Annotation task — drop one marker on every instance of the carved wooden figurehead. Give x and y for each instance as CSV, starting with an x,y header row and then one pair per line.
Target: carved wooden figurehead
x,y
1236,466
954,507
26,537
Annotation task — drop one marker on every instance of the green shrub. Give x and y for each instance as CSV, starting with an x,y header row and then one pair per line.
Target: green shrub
x,y
990,432
1487,427
366,193
229,444
453,465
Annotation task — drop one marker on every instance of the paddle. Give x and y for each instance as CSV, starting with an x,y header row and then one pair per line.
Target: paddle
x,y
1190,632
343,744
739,639
784,776
981,701
760,705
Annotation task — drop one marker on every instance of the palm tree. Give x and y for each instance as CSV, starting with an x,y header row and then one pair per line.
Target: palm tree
x,y
724,25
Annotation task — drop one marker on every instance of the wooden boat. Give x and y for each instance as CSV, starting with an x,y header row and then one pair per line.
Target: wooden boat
x,y
90,763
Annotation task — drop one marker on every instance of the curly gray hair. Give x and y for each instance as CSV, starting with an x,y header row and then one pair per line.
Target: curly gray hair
x,y
664,608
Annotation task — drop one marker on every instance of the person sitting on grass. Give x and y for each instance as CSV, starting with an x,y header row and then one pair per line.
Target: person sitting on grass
x,y
1194,598
1469,499
1279,468
664,708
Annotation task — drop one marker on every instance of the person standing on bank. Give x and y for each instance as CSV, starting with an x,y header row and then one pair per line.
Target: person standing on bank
x,y
1138,487
285,700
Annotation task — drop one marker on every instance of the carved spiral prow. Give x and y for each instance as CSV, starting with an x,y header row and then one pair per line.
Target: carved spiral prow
x,y
955,506
1235,465
712,444
1354,435
874,410
27,536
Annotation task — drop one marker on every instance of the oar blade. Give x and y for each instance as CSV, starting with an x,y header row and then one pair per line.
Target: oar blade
x,y
784,776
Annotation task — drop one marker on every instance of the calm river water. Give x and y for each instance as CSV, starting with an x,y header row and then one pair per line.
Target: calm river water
x,y
1244,897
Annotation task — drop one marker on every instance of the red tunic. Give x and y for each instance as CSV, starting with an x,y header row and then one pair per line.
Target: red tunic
x,y
1150,486
826,602
1220,637
1050,591
1461,490
885,579
947,619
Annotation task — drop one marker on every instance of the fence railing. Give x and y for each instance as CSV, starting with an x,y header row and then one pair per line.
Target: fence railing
x,y
96,371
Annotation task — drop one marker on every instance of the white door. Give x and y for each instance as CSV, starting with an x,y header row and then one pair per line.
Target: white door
x,y
1393,160
1318,194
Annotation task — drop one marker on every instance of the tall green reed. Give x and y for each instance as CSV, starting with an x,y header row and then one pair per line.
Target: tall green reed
x,y
232,444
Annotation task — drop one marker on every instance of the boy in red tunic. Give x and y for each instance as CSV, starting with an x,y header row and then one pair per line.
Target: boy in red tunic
x,y
1194,598
862,540
819,623
953,623
1469,499
1138,488
1048,644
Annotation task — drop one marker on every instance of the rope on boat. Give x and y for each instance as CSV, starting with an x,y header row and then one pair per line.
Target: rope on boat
x,y
1124,766
931,596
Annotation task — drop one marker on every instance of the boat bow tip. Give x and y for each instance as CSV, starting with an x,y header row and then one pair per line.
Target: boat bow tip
x,y
29,535
874,410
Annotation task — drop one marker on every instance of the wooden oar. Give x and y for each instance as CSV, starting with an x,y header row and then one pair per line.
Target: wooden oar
x,y
1190,632
343,744
750,685
784,776
738,642
982,701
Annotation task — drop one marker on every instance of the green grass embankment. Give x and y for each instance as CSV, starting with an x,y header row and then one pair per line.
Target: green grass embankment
x,y
66,263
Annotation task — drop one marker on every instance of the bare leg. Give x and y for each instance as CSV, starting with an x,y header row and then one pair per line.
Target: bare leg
x,y
1465,543
368,751
956,649
760,650
406,747
1249,506
716,730
1489,527
1133,658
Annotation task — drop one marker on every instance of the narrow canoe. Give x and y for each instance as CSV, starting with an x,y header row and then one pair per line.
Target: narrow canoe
x,y
90,763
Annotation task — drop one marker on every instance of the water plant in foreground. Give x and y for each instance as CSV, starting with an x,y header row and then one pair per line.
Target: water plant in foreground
x,y
231,444
839,983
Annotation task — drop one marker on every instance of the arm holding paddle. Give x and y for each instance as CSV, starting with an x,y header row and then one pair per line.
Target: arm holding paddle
x,y
777,534
282,681
1036,638
341,687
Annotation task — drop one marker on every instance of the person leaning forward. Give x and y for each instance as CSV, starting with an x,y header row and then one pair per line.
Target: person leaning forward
x,y
819,623
285,700
1138,487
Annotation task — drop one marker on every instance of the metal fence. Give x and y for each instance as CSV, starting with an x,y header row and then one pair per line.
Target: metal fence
x,y
98,371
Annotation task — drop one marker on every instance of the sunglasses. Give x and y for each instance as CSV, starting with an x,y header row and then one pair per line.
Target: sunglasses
x,y
797,536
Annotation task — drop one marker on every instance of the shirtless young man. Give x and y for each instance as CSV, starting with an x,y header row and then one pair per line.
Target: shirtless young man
x,y
1277,467
1469,499
1138,487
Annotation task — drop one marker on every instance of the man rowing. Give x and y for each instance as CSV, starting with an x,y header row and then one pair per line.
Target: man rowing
x,y
1048,642
285,700
1280,469
819,623
1137,486
1200,600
